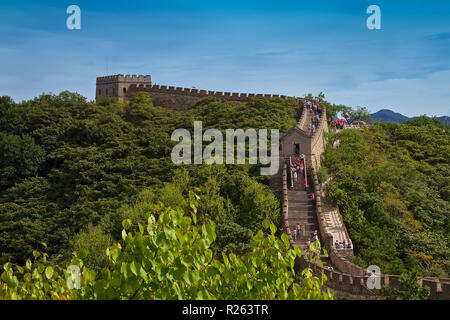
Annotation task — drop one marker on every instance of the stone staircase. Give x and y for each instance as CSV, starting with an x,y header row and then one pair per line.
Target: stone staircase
x,y
301,210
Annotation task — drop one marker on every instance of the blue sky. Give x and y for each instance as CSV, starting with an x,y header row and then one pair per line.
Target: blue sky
x,y
283,47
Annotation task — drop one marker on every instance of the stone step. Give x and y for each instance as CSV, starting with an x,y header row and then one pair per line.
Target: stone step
x,y
301,210
303,206
301,202
295,199
306,222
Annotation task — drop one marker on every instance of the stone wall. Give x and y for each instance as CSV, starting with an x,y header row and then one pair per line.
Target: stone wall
x,y
296,136
350,280
285,205
182,99
176,98
117,86
318,142
302,122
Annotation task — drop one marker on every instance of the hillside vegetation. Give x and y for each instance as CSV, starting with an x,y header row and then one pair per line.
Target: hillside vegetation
x,y
392,185
71,171
169,257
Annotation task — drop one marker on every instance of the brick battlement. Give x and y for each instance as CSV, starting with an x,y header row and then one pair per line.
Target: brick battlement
x,y
127,78
177,98
235,96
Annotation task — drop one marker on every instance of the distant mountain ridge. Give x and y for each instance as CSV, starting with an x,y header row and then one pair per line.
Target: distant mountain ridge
x,y
391,116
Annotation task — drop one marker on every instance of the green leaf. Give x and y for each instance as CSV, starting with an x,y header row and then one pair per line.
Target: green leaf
x,y
285,239
133,268
36,254
126,224
211,272
273,228
178,274
40,268
20,269
106,273
83,253
49,272
123,270
143,274
315,246
187,261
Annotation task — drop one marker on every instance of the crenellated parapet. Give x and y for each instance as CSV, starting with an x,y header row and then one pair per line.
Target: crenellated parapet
x,y
177,98
124,78
117,86
350,280
234,96
182,99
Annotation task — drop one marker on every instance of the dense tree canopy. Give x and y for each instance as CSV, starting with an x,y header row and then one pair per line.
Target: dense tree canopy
x,y
169,257
71,167
391,183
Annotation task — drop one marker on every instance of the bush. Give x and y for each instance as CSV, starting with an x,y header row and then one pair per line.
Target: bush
x,y
171,258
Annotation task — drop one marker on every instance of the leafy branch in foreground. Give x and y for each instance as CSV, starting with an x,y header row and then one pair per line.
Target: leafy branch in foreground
x,y
171,258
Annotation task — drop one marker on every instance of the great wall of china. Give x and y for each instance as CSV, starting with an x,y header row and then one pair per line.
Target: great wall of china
x,y
176,98
348,280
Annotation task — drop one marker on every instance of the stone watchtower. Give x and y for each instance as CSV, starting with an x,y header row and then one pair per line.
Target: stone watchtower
x,y
117,86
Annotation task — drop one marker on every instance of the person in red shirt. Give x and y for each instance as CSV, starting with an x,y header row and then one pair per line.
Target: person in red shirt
x,y
304,184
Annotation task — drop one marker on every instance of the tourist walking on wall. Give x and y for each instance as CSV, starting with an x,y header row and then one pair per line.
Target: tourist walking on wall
x,y
297,231
315,237
304,184
295,176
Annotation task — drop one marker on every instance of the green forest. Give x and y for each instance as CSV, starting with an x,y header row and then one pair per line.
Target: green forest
x,y
92,185
392,185
71,171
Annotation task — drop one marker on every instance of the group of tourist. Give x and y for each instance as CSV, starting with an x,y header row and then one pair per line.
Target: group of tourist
x,y
297,168
314,106
298,231
341,245
312,128
315,118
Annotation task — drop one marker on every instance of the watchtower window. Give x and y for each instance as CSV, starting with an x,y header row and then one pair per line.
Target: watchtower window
x,y
106,91
296,148
124,90
99,92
